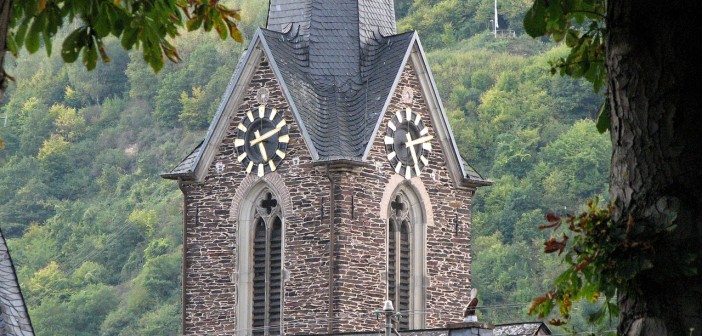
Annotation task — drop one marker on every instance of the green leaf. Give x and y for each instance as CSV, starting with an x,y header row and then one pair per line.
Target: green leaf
x,y
22,32
72,45
603,117
90,56
129,37
33,41
535,19
47,42
11,44
571,38
194,23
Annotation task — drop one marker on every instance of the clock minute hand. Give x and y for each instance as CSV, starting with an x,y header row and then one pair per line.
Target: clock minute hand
x,y
421,140
265,135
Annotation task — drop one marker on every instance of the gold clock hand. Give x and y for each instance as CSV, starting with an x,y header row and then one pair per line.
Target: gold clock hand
x,y
265,135
411,148
260,145
419,140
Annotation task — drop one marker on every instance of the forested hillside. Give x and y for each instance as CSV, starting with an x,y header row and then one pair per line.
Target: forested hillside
x,y
95,233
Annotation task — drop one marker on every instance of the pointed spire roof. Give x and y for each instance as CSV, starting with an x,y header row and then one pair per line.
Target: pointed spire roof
x,y
338,62
335,31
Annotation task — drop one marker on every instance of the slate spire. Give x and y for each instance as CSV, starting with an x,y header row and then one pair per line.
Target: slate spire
x,y
336,32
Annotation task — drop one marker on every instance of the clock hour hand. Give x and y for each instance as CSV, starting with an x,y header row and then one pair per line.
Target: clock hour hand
x,y
266,135
260,145
411,148
417,141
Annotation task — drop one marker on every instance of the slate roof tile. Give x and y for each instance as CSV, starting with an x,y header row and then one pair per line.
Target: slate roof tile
x,y
521,329
14,319
186,166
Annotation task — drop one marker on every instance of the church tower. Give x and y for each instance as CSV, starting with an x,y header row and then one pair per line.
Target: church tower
x,y
328,182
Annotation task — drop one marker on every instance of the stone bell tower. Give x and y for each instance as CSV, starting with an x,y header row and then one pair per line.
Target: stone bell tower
x,y
328,182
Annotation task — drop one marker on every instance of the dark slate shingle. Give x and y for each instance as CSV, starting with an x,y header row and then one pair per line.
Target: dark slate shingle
x,y
14,319
339,115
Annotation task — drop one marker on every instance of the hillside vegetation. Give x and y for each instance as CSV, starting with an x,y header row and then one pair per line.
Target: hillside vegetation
x,y
95,233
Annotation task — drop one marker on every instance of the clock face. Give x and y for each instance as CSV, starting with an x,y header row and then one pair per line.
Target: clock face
x,y
408,143
262,140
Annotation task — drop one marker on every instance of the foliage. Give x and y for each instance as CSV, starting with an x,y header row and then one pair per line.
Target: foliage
x,y
599,260
581,25
144,25
442,23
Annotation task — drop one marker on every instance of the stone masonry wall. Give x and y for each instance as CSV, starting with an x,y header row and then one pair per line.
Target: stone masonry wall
x,y
210,279
361,247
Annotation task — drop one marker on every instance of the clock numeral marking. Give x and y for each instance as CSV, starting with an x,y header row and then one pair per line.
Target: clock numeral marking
x,y
250,116
239,142
409,114
260,170
284,138
398,167
241,157
424,131
426,146
417,119
261,110
392,126
424,160
399,117
389,140
280,124
273,112
272,165
242,127
392,155
249,167
408,173
280,153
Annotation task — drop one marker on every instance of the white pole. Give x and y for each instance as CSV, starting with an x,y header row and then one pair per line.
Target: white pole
x,y
496,25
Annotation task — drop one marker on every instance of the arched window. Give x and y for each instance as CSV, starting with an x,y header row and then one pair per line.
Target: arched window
x,y
260,265
405,253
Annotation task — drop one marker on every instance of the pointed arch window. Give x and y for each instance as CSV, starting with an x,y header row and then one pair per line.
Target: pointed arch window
x,y
261,253
405,253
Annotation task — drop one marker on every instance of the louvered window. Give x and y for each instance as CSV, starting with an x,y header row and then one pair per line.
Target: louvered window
x,y
267,268
399,267
399,270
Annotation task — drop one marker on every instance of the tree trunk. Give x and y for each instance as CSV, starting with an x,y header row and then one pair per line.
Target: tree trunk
x,y
656,113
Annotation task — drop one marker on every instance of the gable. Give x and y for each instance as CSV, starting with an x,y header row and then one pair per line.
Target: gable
x,y
256,69
417,75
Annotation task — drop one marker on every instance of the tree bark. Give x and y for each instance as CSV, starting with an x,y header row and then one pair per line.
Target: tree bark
x,y
656,179
5,16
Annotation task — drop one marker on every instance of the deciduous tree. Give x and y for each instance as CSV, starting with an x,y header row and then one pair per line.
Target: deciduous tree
x,y
643,52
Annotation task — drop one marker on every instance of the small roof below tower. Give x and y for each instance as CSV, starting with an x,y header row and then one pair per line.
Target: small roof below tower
x,y
14,319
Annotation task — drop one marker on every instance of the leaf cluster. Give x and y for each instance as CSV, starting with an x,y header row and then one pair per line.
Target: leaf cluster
x,y
580,25
145,25
601,257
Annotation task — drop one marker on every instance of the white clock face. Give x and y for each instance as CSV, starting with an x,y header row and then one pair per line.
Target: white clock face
x,y
407,143
262,140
